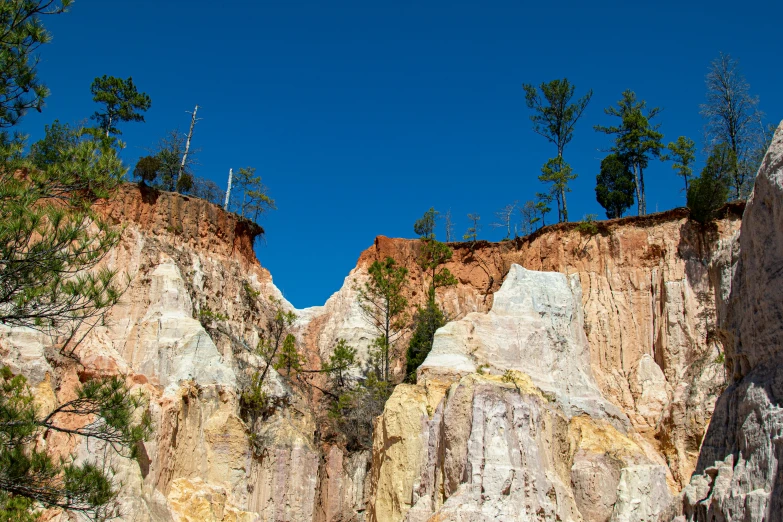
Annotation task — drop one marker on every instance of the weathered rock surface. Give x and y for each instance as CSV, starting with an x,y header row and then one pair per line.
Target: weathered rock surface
x,y
197,299
649,292
528,438
739,475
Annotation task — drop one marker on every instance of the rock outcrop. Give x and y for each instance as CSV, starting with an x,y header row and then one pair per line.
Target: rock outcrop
x,y
650,287
739,475
621,416
519,429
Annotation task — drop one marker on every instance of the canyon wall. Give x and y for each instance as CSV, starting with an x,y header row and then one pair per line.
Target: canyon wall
x,y
642,332
739,475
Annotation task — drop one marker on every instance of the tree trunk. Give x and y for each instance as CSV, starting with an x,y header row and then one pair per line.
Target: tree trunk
x,y
228,190
565,209
644,196
187,147
639,196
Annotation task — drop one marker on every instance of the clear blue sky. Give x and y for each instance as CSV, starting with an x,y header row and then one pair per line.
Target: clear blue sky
x,y
360,116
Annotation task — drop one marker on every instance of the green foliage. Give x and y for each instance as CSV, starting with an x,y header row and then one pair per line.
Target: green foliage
x,y
57,141
682,153
433,253
27,470
249,194
277,329
472,233
354,411
708,192
122,102
588,226
425,227
542,206
254,402
426,321
206,316
614,186
51,240
17,509
250,294
383,305
288,358
555,118
147,169
342,360
21,34
720,358
636,140
557,172
169,152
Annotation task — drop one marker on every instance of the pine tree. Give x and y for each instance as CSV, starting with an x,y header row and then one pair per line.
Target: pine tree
x,y
58,139
472,233
383,304
122,102
682,153
426,321
636,140
555,119
21,35
250,194
288,358
557,172
340,362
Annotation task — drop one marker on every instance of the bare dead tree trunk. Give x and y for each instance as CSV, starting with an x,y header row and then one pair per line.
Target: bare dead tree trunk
x,y
187,146
228,190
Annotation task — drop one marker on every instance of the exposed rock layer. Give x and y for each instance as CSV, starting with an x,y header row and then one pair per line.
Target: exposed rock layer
x,y
528,436
186,327
739,476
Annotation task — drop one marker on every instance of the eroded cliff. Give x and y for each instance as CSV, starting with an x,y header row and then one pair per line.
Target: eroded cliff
x,y
643,352
739,475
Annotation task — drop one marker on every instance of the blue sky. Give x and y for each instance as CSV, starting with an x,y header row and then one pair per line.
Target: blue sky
x,y
359,116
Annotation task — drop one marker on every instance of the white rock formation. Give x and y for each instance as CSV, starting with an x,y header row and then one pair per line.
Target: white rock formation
x,y
520,430
536,327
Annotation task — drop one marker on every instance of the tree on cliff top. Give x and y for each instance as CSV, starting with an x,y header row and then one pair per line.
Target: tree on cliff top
x,y
122,102
636,140
733,118
708,192
683,153
250,196
614,186
555,118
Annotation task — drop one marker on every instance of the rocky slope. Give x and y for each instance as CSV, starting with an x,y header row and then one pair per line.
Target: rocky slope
x,y
739,475
628,409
